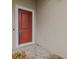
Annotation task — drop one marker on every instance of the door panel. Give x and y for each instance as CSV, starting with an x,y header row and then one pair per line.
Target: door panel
x,y
24,26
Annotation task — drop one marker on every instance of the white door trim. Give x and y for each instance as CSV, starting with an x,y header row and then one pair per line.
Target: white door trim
x,y
16,26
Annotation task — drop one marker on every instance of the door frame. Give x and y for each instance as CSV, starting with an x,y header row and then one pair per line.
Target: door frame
x,y
16,26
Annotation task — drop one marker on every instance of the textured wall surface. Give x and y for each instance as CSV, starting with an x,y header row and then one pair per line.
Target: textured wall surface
x,y
52,25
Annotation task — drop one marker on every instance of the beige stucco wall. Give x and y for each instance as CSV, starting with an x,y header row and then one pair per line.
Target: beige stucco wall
x,y
31,4
52,25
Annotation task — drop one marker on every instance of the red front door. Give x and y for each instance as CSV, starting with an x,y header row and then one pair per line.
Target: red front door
x,y
24,26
